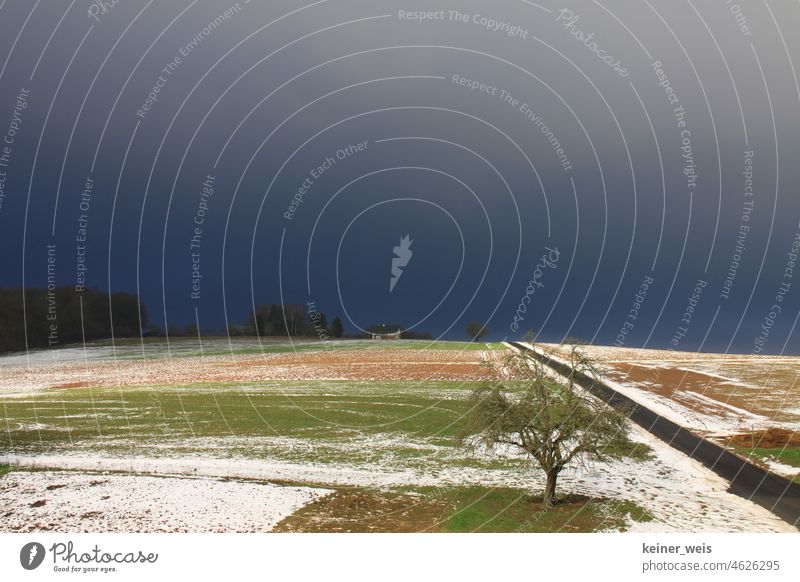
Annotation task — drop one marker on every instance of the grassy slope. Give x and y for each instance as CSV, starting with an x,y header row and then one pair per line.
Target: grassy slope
x,y
131,348
408,423
509,510
458,510
324,422
787,456
314,410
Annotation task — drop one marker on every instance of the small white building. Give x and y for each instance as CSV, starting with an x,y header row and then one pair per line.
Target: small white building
x,y
390,336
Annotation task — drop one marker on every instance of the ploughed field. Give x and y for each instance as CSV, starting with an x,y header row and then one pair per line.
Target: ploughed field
x,y
749,403
126,366
348,436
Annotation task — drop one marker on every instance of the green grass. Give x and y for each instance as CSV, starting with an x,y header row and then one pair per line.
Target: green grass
x,y
265,349
399,424
396,425
458,510
268,348
391,425
441,345
322,414
315,410
787,455
510,510
130,348
155,347
4,470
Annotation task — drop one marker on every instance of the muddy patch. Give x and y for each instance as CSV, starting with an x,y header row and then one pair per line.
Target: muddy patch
x,y
773,438
367,510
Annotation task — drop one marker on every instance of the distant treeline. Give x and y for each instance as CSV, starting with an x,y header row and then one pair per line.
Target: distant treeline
x,y
54,316
285,320
288,320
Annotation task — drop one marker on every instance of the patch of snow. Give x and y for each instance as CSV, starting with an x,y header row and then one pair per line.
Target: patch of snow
x,y
725,379
782,468
730,421
746,414
680,493
75,502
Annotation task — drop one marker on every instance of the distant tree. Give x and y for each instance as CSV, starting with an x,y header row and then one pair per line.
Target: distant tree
x,y
209,331
126,308
253,324
320,321
551,420
475,331
237,330
337,329
274,319
153,330
61,315
295,318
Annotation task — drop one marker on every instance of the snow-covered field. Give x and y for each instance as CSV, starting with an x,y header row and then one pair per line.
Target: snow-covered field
x,y
711,394
681,494
195,455
148,349
80,502
350,364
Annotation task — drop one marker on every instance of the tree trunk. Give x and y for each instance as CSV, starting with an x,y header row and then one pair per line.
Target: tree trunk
x,y
549,498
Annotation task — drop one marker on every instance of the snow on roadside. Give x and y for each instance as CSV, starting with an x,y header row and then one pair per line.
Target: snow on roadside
x,y
79,502
789,471
734,421
681,494
685,496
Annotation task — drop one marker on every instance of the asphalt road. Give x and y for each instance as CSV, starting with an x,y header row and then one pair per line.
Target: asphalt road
x,y
777,494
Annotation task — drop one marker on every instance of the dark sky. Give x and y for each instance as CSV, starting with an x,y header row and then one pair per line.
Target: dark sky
x,y
566,140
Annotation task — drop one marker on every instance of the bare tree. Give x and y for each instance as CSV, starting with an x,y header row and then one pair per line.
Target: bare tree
x,y
550,417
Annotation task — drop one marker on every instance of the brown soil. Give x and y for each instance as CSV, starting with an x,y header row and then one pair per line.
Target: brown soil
x,y
665,381
72,385
372,364
773,438
679,386
764,385
366,511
